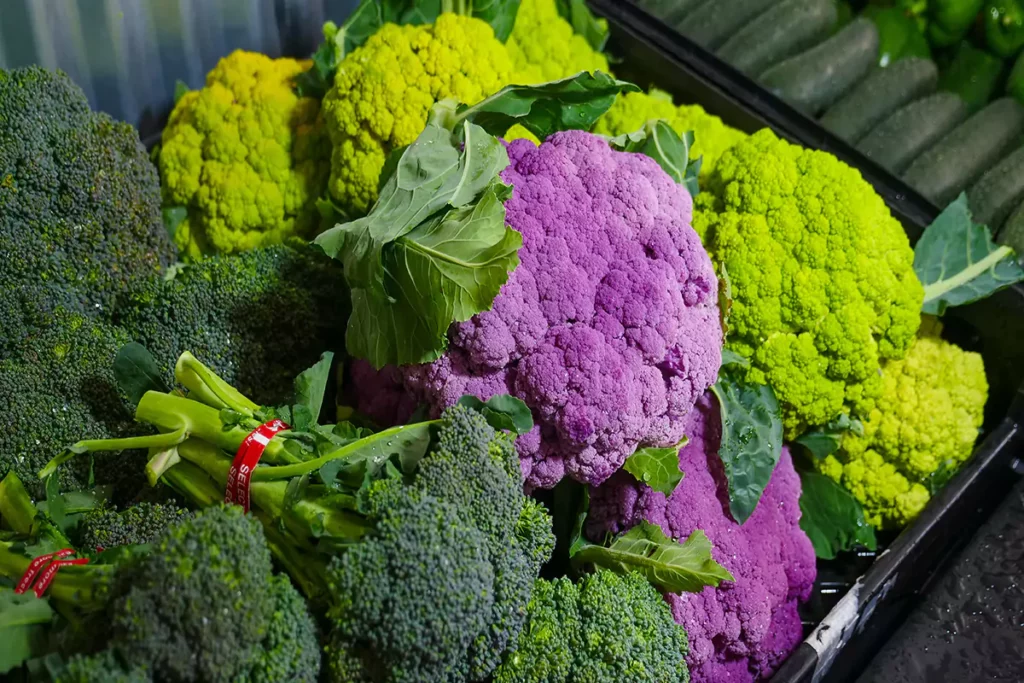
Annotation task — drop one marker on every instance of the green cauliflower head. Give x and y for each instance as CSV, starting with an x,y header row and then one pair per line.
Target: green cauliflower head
x,y
821,276
924,427
246,156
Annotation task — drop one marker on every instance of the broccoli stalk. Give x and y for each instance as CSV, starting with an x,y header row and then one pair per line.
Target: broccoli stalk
x,y
416,542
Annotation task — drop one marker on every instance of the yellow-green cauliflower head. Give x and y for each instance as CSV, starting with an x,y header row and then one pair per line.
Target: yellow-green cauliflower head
x,y
925,424
632,110
544,47
246,156
384,90
821,275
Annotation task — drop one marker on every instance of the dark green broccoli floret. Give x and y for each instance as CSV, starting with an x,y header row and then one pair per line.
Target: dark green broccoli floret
x,y
79,204
605,629
414,595
478,469
290,649
58,388
103,667
257,318
138,524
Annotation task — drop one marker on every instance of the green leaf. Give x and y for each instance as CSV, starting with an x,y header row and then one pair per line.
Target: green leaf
x,y
730,357
658,140
502,412
584,22
937,480
831,517
958,263
55,508
500,14
433,250
173,217
657,467
670,566
136,372
573,103
24,622
751,440
370,456
826,440
180,90
311,384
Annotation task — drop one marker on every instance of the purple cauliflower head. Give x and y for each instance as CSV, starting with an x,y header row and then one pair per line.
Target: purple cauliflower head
x,y
609,329
741,631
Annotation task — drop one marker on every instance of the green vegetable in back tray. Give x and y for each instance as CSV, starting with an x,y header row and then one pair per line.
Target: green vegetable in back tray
x,y
999,191
1015,81
714,22
880,94
1012,232
902,137
1004,26
945,22
787,29
815,79
964,154
974,75
898,35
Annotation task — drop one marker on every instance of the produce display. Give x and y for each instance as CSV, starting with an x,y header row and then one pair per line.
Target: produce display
x,y
445,355
912,84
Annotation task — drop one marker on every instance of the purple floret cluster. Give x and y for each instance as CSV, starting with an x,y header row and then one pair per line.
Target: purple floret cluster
x,y
609,328
743,630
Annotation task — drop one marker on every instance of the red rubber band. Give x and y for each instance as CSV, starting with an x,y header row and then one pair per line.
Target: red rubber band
x,y
46,578
248,455
36,565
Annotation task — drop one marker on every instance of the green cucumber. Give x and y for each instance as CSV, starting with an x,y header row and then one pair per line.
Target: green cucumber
x,y
714,22
785,30
958,159
999,191
813,80
1012,233
907,133
879,95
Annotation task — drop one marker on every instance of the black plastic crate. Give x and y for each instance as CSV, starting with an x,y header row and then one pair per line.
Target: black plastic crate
x,y
859,599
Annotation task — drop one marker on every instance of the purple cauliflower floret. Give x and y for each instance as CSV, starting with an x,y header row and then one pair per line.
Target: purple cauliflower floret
x,y
742,630
609,329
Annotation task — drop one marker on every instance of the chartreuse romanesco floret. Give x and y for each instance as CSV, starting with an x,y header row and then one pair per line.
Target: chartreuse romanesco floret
x,y
605,629
925,425
246,156
632,110
544,47
384,90
821,275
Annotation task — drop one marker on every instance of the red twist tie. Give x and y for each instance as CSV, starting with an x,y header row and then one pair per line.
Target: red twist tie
x,y
46,578
248,455
37,564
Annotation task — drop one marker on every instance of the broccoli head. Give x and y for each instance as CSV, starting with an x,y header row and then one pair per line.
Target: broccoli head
x,y
59,388
821,275
257,318
464,518
632,110
103,667
135,525
79,203
605,629
246,156
923,428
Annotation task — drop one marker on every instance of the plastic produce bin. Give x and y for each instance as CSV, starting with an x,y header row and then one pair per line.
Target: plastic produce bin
x,y
859,600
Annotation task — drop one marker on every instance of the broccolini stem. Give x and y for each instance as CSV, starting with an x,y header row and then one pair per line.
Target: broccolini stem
x,y
206,386
16,508
83,586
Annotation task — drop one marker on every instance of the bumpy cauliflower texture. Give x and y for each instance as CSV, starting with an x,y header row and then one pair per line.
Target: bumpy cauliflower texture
x,y
926,423
822,276
246,156
632,110
544,48
384,90
608,329
742,630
